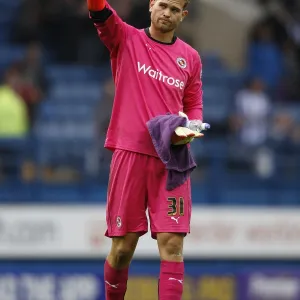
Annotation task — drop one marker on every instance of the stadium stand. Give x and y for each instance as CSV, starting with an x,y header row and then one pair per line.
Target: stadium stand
x,y
60,158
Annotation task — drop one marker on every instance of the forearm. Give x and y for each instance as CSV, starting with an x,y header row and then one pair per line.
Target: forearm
x,y
193,96
110,27
99,12
194,113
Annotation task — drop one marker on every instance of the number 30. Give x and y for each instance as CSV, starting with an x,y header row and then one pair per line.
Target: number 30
x,y
176,206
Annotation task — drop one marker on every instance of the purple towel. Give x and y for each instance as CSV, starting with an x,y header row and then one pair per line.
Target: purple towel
x,y
178,159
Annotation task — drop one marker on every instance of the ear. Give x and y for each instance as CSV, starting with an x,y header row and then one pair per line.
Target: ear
x,y
184,14
151,3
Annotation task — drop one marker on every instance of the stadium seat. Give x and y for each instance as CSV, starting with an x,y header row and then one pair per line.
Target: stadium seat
x,y
211,61
246,197
217,102
50,110
75,92
4,34
222,78
64,130
10,54
12,153
210,147
65,142
6,14
65,135
76,74
9,4
16,193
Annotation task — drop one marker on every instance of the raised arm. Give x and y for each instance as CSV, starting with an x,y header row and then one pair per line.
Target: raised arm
x,y
110,27
192,102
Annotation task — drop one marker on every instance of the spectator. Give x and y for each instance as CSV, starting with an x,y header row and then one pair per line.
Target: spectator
x,y
253,108
13,113
283,19
27,27
13,121
33,85
250,123
265,58
285,138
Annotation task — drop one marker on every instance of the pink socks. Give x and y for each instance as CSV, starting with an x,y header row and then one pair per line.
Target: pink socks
x,y
115,282
171,280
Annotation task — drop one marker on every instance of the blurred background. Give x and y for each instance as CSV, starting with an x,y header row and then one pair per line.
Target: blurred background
x,y
56,95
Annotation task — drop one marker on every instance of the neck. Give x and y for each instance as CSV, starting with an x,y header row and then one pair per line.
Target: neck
x,y
161,37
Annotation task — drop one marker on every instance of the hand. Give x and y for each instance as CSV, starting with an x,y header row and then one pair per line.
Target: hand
x,y
183,135
96,5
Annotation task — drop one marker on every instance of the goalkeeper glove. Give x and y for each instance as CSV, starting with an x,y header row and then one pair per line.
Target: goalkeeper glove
x,y
184,135
96,5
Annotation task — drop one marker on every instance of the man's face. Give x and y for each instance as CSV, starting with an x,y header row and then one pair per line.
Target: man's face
x,y
166,15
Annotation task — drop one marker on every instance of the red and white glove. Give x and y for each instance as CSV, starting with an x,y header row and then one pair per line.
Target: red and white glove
x,y
96,5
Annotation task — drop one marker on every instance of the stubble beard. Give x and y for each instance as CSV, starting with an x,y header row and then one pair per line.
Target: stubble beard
x,y
166,28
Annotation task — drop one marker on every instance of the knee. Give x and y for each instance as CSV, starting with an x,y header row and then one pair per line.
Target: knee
x,y
123,254
170,246
122,251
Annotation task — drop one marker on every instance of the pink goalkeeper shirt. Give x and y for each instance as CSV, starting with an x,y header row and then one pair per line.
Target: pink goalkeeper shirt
x,y
151,79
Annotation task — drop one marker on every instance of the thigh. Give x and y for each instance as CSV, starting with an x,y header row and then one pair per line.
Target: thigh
x,y
126,197
169,211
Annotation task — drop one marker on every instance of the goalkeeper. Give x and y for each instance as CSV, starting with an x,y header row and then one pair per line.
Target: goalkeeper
x,y
155,73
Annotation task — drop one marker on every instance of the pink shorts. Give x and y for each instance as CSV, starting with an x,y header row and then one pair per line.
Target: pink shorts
x,y
137,183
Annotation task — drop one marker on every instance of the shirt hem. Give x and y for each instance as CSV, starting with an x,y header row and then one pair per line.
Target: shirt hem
x,y
112,147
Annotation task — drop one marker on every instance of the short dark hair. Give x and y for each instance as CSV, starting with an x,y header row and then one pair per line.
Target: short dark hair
x,y
186,3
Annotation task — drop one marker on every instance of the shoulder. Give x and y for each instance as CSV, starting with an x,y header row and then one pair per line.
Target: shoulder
x,y
189,51
132,30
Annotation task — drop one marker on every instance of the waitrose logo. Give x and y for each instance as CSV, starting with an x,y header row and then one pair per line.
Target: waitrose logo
x,y
158,75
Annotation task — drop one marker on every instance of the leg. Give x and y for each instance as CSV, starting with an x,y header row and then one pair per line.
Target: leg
x,y
170,246
122,250
117,265
171,276
126,219
170,214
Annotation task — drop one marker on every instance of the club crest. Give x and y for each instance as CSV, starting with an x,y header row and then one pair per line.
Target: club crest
x,y
181,62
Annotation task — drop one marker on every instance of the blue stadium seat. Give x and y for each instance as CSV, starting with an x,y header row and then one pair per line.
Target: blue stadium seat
x,y
209,147
65,130
12,153
197,148
9,4
65,143
4,34
199,193
292,109
6,15
16,192
222,78
10,54
50,110
76,74
61,193
211,61
217,102
289,197
75,92
245,197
